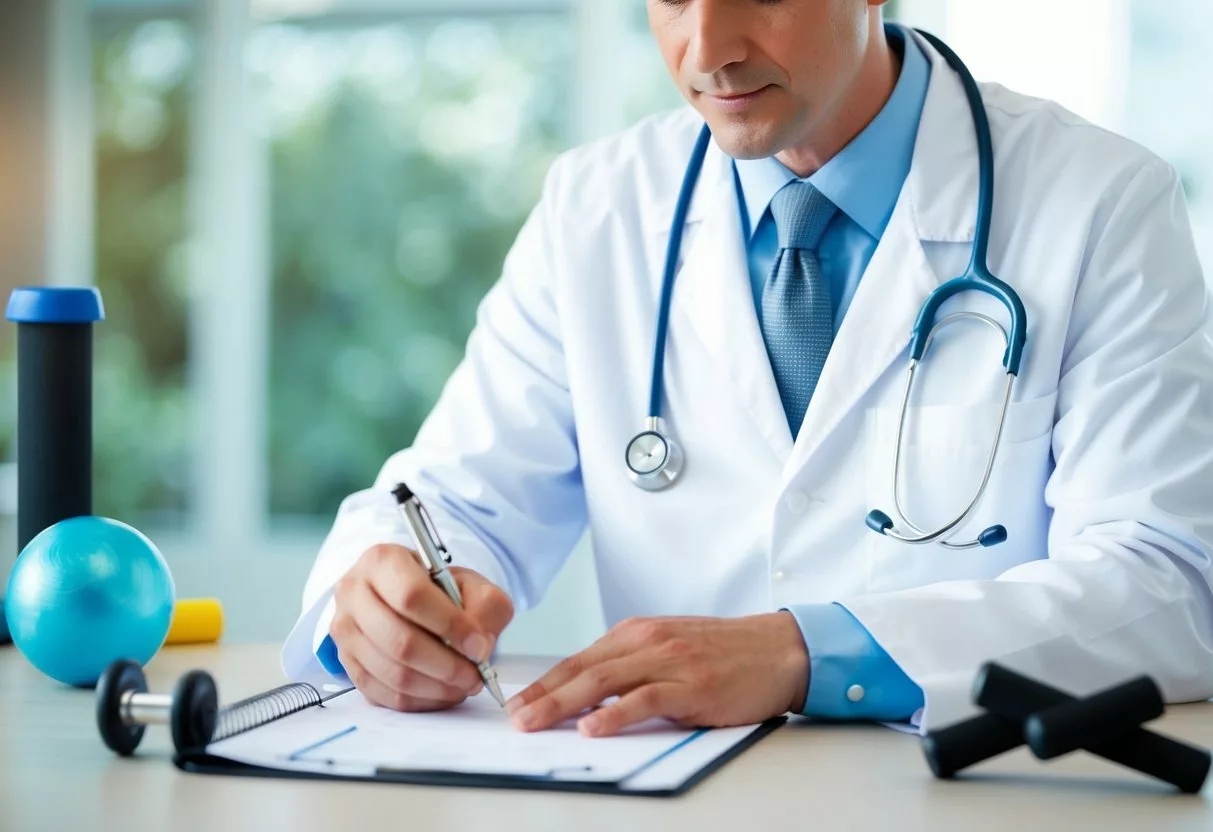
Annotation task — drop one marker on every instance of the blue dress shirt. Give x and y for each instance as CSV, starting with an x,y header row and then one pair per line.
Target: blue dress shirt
x,y
864,180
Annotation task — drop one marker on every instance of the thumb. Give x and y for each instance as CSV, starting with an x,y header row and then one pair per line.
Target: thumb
x,y
485,602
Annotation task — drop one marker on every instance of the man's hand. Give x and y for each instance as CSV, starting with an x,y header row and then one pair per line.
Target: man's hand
x,y
390,624
697,672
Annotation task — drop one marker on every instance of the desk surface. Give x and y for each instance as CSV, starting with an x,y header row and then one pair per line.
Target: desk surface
x,y
55,774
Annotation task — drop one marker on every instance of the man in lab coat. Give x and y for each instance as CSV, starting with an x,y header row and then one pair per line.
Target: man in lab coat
x,y
839,190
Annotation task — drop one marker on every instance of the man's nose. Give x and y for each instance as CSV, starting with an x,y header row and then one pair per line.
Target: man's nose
x,y
717,34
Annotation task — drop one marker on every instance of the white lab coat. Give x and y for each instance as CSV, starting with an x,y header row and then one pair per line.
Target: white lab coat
x,y
1104,480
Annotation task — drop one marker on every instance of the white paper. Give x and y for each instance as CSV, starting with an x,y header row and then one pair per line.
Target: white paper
x,y
350,736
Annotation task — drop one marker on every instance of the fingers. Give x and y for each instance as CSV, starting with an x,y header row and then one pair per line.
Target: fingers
x,y
645,702
377,693
402,679
404,586
561,673
484,601
403,643
407,681
618,642
582,691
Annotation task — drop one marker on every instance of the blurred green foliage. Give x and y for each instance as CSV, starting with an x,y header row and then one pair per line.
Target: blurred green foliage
x,y
142,77
403,160
401,172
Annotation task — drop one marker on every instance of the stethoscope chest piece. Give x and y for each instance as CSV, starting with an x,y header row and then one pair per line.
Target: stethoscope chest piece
x,y
654,460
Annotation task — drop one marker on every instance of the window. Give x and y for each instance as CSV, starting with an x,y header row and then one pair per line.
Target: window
x,y
1138,68
648,85
405,157
142,71
1168,97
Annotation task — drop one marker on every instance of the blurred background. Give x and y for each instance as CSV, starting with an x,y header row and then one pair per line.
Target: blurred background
x,y
293,207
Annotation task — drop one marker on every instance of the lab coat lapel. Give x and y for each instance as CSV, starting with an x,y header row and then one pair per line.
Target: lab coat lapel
x,y
713,294
937,203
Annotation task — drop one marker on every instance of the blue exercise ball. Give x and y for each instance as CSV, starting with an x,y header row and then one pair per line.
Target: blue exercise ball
x,y
87,591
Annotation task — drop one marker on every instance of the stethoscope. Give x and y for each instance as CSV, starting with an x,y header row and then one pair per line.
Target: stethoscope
x,y
655,460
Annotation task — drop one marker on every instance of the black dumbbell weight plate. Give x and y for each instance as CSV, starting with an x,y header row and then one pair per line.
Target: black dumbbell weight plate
x,y
195,709
121,676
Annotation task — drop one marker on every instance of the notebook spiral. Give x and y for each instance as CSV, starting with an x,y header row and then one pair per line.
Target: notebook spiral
x,y
264,708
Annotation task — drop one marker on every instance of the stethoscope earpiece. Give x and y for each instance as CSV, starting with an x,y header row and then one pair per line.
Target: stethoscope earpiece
x,y
993,536
878,521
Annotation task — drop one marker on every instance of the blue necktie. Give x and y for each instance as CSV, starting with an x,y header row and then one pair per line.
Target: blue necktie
x,y
797,313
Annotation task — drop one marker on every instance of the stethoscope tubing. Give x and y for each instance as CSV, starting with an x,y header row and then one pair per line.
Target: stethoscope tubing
x,y
976,277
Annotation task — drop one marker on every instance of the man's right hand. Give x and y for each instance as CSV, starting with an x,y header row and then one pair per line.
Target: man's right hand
x,y
390,623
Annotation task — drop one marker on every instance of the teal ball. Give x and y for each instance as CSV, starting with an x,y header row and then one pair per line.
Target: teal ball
x,y
87,591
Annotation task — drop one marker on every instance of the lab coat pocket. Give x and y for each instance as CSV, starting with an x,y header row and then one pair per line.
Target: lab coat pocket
x,y
945,451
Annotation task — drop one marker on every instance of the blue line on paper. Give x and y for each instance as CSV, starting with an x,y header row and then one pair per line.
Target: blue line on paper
x,y
307,749
673,748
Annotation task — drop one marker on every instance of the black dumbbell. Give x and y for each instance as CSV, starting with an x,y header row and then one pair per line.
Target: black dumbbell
x,y
1021,710
125,708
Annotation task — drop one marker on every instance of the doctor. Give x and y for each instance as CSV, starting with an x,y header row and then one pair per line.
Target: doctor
x,y
840,188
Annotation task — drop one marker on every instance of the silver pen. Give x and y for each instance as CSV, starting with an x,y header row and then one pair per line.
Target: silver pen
x,y
434,558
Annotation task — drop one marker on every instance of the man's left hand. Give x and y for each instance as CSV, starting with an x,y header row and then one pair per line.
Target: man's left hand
x,y
696,672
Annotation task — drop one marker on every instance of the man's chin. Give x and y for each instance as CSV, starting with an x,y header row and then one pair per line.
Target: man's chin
x,y
745,139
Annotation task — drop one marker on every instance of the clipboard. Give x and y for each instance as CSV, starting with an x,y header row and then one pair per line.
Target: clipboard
x,y
253,736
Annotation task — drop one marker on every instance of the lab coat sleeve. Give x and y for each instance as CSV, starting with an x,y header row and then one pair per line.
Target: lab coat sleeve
x,y
1124,588
495,461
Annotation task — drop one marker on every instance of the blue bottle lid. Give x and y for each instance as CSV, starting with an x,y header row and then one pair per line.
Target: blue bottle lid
x,y
55,305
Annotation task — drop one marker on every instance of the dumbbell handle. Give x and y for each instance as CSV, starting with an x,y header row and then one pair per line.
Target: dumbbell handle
x,y
124,707
145,708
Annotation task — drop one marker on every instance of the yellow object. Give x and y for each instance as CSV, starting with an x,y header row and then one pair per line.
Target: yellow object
x,y
196,621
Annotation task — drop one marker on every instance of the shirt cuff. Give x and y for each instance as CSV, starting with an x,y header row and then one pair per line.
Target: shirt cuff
x,y
326,654
851,677
323,644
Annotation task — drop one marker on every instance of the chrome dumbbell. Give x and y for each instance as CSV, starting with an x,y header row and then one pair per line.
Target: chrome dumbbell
x,y
125,708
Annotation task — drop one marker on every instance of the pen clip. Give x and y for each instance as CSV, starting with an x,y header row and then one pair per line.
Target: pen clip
x,y
432,530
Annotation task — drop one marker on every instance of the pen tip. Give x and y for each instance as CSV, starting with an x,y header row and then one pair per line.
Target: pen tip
x,y
495,690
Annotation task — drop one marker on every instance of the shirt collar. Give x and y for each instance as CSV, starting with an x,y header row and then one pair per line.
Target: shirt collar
x,y
865,178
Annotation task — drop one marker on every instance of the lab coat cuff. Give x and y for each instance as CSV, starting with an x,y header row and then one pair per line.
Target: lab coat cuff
x,y
850,676
301,653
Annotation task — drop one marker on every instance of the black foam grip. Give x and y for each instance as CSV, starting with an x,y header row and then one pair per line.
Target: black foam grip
x,y
1017,698
956,747
54,425
1013,696
1101,717
1183,766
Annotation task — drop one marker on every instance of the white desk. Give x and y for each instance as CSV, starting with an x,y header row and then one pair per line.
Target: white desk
x,y
55,774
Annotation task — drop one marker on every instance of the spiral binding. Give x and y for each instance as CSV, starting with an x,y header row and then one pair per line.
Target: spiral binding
x,y
264,708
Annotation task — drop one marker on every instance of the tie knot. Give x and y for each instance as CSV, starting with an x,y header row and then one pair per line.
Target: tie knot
x,y
801,214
